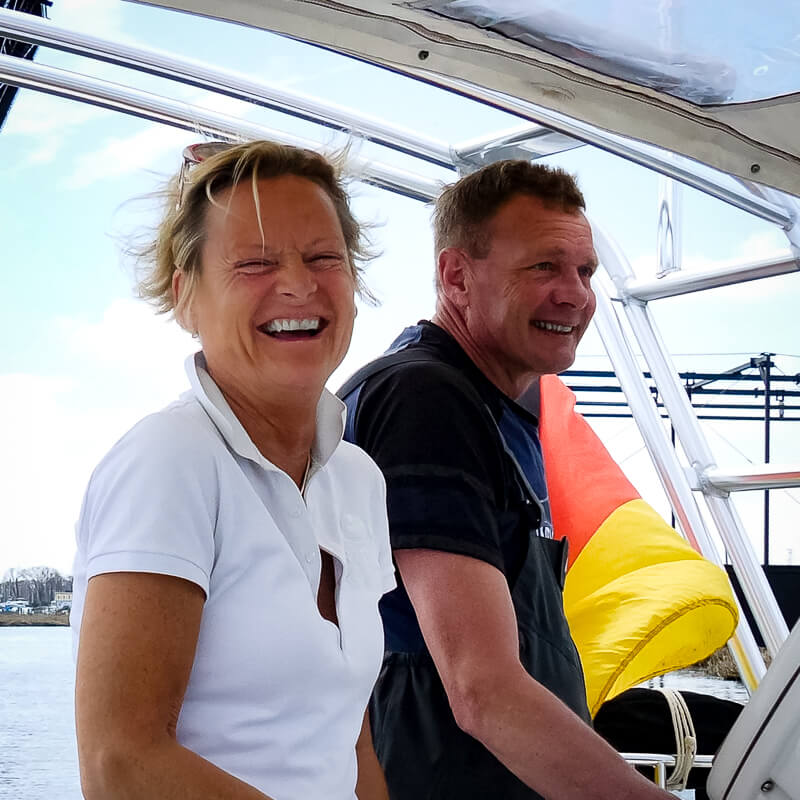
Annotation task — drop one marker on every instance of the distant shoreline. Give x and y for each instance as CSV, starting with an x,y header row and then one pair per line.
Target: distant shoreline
x,y
33,620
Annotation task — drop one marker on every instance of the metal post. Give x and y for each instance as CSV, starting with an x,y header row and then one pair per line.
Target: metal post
x,y
764,368
672,439
669,227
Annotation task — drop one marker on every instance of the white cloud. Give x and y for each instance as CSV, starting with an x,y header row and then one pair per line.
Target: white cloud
x,y
136,354
43,470
121,156
45,124
221,104
120,368
98,17
770,243
35,113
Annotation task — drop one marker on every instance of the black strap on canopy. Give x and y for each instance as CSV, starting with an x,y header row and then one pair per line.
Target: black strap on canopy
x,y
11,47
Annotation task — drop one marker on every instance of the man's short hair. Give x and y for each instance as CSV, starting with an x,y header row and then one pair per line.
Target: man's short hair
x,y
464,208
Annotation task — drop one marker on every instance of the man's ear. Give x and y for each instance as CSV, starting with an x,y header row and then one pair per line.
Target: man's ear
x,y
453,273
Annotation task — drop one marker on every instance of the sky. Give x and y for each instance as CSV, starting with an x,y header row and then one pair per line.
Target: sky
x,y
84,360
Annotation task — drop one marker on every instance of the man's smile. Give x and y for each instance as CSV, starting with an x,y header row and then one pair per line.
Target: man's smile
x,y
553,327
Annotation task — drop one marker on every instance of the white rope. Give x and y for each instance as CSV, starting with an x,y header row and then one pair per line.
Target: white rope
x,y
685,739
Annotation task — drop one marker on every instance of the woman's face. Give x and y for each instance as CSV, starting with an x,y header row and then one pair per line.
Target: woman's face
x,y
274,304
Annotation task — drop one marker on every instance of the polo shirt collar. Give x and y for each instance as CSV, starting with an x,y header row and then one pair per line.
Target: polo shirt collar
x,y
329,423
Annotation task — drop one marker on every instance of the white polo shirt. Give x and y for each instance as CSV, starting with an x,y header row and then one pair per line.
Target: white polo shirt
x,y
276,694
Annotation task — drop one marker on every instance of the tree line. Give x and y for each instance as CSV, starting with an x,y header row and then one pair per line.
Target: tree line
x,y
37,585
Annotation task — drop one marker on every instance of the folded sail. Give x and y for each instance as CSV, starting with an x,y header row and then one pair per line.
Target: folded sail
x,y
639,599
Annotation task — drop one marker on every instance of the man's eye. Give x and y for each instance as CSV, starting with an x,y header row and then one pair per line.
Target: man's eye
x,y
587,272
543,266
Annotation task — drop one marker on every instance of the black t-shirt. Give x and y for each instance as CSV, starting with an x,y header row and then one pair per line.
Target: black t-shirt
x,y
433,427
464,474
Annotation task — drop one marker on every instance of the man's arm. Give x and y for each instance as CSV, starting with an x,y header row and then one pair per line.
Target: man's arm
x,y
467,618
371,784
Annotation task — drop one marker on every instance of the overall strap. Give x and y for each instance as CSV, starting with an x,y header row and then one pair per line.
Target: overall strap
x,y
350,392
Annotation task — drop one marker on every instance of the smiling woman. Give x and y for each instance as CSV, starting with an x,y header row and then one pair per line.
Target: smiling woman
x,y
241,495
276,288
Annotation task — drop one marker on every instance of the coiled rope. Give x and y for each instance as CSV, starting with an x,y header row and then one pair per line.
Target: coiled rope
x,y
685,739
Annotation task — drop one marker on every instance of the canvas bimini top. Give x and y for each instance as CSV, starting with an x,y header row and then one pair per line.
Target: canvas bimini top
x,y
720,85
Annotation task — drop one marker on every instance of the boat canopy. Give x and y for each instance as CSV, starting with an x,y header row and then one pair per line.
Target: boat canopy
x,y
718,85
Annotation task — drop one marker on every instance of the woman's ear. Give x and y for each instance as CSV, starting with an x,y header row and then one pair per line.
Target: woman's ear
x,y
181,304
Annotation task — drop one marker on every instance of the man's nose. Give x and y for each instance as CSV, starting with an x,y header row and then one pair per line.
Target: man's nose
x,y
572,288
295,279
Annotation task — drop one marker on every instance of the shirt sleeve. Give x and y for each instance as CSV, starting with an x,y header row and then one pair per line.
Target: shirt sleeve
x,y
385,564
437,448
151,504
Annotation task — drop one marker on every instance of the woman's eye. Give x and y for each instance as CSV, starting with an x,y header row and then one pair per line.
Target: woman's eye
x,y
254,267
325,260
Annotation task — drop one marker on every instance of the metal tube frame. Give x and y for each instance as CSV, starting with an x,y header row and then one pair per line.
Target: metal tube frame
x,y
156,62
629,149
766,204
791,204
659,762
751,577
178,114
698,281
524,141
670,472
766,476
17,25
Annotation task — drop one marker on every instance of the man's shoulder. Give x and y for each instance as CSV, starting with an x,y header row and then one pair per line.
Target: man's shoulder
x,y
418,370
422,352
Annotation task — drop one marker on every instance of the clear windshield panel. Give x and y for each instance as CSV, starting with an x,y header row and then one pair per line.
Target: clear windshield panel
x,y
702,51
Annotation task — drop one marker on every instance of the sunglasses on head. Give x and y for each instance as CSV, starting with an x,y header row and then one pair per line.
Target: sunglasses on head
x,y
195,154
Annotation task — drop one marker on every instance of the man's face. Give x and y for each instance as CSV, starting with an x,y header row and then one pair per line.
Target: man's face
x,y
530,300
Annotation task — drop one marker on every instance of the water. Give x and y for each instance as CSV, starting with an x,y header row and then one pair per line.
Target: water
x,y
695,680
38,759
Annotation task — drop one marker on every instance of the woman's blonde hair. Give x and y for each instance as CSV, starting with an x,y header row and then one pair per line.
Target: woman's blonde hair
x,y
179,238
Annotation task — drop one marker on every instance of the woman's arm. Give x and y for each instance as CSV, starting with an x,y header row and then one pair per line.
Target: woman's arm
x,y
371,784
137,643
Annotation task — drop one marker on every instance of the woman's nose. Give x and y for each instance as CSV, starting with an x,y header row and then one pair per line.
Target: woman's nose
x,y
295,279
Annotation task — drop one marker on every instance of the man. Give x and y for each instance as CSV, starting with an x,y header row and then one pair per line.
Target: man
x,y
481,694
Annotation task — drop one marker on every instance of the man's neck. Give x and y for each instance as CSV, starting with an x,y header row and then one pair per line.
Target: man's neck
x,y
512,385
